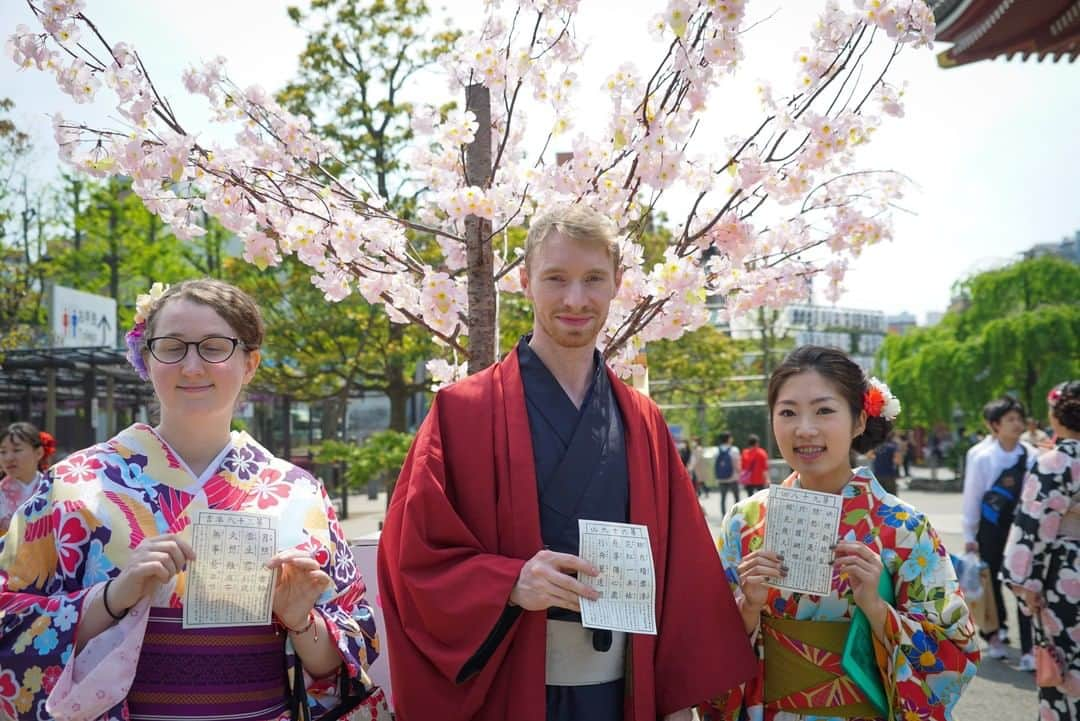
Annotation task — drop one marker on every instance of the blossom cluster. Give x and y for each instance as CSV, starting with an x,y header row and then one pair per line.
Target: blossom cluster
x,y
761,205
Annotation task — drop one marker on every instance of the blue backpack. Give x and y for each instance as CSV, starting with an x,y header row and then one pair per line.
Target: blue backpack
x,y
724,468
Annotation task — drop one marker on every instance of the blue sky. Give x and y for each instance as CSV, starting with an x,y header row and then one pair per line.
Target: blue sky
x,y
993,147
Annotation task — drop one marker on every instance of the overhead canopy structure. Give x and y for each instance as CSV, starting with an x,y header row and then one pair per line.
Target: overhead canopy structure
x,y
61,388
987,29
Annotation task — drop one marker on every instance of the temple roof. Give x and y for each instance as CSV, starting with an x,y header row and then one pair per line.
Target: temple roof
x,y
986,29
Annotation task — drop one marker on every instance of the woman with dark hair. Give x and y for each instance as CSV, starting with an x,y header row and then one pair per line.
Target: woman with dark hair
x,y
925,651
24,454
1042,557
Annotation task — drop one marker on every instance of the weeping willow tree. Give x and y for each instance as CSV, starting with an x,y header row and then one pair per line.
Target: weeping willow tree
x,y
1016,330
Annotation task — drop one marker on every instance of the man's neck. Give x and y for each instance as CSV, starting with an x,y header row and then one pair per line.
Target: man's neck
x,y
1010,446
572,367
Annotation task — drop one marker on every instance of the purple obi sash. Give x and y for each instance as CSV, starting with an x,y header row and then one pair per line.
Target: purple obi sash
x,y
210,674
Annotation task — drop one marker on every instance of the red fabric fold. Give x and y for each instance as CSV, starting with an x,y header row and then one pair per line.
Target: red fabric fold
x,y
465,517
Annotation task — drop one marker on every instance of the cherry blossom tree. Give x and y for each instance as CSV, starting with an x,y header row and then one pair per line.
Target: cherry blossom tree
x,y
757,207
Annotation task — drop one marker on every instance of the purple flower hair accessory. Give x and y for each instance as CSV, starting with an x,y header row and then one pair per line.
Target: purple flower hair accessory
x,y
144,305
134,340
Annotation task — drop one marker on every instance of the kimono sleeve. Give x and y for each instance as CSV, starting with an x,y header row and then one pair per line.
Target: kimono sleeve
x,y
445,595
702,648
1044,500
931,650
40,605
739,528
348,615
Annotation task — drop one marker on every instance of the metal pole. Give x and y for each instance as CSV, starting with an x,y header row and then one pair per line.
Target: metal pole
x,y
50,400
110,406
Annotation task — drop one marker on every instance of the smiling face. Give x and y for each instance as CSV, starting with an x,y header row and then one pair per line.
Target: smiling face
x,y
814,427
571,285
194,389
19,459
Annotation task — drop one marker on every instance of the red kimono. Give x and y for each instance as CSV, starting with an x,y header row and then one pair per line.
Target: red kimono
x,y
463,520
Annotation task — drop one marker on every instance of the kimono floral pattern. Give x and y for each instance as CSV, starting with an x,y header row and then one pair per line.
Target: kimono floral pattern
x,y
1045,562
931,651
93,508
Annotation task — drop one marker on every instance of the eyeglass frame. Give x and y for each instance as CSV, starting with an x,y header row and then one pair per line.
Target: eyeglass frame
x,y
236,343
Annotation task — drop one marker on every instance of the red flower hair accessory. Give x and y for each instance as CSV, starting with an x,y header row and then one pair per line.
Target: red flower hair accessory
x,y
879,402
48,446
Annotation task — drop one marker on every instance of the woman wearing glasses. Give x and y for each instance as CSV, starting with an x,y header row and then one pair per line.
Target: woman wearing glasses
x,y
94,568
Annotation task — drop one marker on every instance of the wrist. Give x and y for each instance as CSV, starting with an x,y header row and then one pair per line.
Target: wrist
x,y
117,597
296,624
746,607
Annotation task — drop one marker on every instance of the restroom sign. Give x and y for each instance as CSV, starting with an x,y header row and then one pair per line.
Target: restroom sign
x,y
81,320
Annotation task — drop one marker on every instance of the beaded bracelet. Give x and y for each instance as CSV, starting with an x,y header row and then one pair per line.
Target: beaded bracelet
x,y
305,629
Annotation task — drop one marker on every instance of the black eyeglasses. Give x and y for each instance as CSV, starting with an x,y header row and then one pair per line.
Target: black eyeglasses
x,y
212,349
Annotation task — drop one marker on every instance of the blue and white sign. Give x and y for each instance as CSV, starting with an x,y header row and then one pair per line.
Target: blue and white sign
x,y
81,320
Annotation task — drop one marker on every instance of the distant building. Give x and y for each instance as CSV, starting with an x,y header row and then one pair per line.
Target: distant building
x,y
857,332
933,317
900,323
1068,248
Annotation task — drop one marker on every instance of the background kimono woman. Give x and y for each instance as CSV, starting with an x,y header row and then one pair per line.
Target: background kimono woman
x,y
1043,555
822,406
92,571
24,454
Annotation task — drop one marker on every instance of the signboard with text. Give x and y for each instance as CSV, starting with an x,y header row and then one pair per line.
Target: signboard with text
x,y
81,320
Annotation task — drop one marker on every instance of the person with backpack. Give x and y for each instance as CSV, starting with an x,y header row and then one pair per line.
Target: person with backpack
x,y
726,469
992,484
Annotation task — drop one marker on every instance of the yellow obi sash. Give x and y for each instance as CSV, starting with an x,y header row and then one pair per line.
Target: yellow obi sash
x,y
803,672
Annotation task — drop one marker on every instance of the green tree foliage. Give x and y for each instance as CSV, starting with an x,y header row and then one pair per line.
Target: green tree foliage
x,y
113,246
1017,330
316,352
689,376
18,298
357,63
379,456
353,72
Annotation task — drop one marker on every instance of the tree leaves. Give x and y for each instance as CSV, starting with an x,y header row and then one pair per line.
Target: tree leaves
x,y
1017,330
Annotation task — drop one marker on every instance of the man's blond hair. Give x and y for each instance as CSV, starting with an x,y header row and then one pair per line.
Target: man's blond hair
x,y
577,222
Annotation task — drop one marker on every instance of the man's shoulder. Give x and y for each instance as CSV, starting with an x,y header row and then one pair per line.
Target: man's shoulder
x,y
469,390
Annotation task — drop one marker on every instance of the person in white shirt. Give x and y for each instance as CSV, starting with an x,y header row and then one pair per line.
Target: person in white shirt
x,y
992,484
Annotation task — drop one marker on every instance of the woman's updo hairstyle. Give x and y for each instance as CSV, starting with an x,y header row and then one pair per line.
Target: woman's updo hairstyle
x,y
1065,404
845,375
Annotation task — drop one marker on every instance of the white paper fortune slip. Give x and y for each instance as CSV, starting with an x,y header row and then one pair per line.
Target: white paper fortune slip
x,y
800,525
627,582
228,583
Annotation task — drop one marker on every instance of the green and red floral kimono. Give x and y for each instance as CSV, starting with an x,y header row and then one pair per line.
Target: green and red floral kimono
x,y
931,651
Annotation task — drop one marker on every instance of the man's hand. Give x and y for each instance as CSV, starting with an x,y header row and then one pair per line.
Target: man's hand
x,y
545,581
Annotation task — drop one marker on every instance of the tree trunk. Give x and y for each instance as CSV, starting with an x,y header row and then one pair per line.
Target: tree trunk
x,y
396,387
481,267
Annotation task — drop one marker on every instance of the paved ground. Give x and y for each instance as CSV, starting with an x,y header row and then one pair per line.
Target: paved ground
x,y
998,693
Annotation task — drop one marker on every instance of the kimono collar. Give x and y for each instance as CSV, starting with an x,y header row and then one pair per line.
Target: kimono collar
x,y
859,483
12,479
532,365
